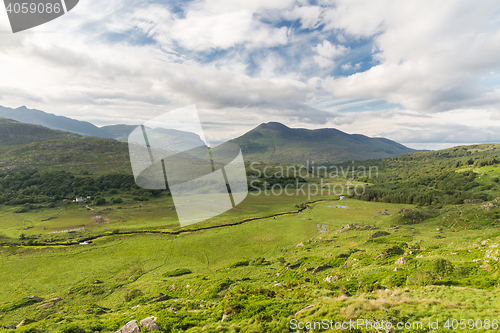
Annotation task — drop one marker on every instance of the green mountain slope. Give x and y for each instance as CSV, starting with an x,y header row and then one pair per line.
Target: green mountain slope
x,y
16,133
97,156
277,143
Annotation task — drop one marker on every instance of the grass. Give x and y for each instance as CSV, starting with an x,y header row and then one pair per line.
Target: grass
x,y
119,271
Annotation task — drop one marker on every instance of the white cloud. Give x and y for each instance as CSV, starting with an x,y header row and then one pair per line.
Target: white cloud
x,y
253,61
348,66
431,54
327,53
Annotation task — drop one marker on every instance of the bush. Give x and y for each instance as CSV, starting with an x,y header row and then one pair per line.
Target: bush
x,y
397,279
100,201
260,262
337,262
239,263
395,250
421,278
133,294
117,200
442,267
177,272
71,328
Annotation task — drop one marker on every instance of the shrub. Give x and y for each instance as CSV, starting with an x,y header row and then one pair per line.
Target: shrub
x,y
239,263
337,262
260,262
395,250
177,272
421,278
133,294
397,279
442,267
100,201
71,328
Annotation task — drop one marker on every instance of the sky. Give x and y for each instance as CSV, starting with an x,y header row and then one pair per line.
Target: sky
x,y
423,73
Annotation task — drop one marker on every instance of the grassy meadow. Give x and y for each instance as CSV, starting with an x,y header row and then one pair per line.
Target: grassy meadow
x,y
273,261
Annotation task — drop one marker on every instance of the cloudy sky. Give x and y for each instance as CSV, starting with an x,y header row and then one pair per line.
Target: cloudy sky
x,y
424,73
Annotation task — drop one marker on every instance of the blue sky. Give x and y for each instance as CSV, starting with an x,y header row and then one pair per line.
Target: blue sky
x,y
424,73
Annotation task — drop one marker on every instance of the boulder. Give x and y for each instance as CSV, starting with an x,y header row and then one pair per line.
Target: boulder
x,y
401,261
130,327
379,234
10,327
163,298
149,324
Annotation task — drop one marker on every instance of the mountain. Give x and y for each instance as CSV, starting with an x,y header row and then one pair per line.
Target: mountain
x,y
276,143
37,117
16,133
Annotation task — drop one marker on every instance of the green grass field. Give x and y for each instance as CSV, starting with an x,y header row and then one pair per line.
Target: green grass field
x,y
101,283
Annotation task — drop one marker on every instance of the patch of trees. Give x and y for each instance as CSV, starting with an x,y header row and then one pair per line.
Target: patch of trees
x,y
32,186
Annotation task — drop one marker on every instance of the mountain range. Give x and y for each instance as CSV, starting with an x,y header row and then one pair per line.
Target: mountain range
x,y
38,117
269,143
276,143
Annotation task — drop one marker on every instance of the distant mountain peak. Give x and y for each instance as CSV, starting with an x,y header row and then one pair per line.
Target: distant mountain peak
x,y
273,125
274,142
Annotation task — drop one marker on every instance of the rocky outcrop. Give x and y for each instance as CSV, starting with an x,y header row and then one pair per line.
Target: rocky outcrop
x,y
149,324
132,326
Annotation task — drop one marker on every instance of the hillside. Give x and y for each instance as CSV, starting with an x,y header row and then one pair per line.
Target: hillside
x,y
448,176
277,143
37,117
16,133
97,156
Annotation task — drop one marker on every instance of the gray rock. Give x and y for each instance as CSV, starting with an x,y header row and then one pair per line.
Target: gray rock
x,y
401,261
163,298
149,324
130,327
10,327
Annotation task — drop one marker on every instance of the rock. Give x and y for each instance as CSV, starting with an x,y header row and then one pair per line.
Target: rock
x,y
304,309
396,269
401,261
130,327
20,324
149,324
163,298
36,298
379,234
10,327
300,245
224,317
